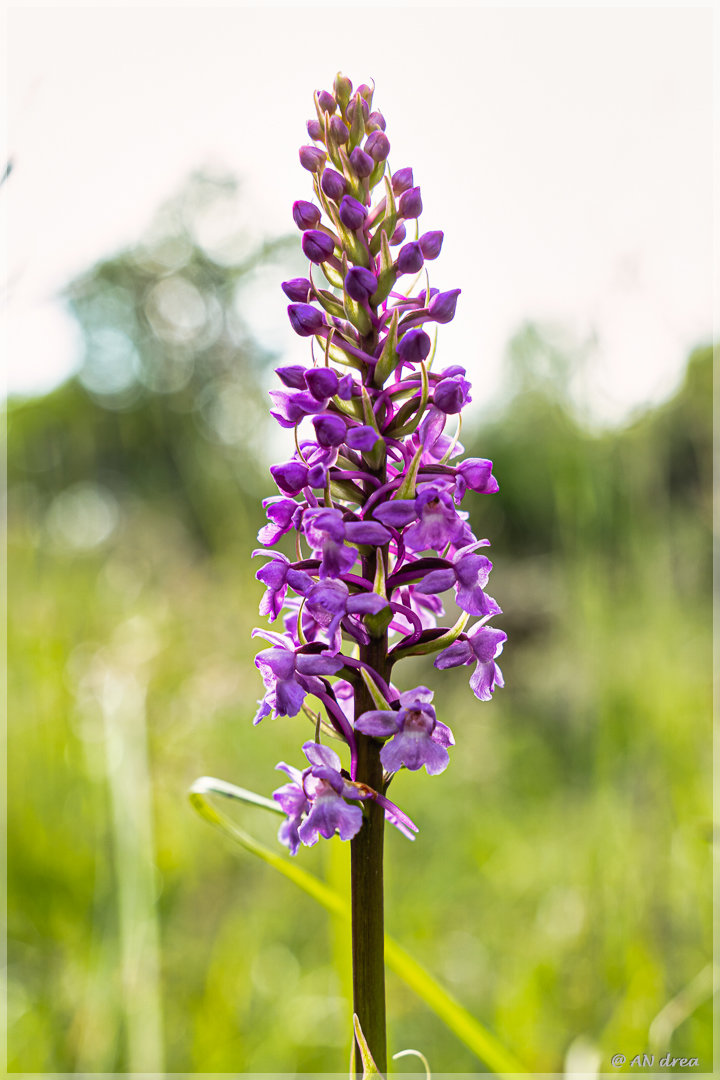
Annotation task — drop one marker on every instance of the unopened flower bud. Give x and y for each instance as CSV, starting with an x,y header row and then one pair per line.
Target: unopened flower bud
x,y
305,215
354,105
402,181
352,213
399,235
343,89
377,145
293,376
431,243
318,246
410,259
451,394
362,438
338,130
329,429
375,122
321,382
414,346
333,184
305,319
361,162
297,289
410,204
326,101
291,476
312,158
477,474
442,306
314,129
360,284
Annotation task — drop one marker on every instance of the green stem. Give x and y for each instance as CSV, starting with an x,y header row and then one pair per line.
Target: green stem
x,y
366,850
366,890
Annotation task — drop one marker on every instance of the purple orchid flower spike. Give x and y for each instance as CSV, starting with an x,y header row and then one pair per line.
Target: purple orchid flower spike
x,y
369,498
348,492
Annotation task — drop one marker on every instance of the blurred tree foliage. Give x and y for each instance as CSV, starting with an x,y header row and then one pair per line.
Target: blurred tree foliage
x,y
168,404
574,898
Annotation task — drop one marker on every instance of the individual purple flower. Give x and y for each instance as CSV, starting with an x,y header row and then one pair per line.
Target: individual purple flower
x,y
338,130
314,130
410,203
357,100
476,474
305,214
410,258
360,284
330,429
402,181
362,163
304,318
326,101
324,383
329,601
297,289
375,122
352,213
312,158
438,523
451,394
292,407
280,668
417,738
317,245
333,184
325,809
277,575
326,791
431,243
280,514
362,438
414,346
290,476
314,800
442,306
377,145
399,234
326,533
469,574
481,645
293,375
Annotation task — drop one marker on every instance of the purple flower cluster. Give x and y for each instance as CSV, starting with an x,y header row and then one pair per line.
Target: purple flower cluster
x,y
373,493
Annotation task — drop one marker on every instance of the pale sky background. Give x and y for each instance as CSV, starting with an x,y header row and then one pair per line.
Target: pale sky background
x,y
567,153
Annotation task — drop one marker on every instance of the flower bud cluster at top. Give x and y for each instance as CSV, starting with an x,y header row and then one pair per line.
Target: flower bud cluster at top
x,y
374,488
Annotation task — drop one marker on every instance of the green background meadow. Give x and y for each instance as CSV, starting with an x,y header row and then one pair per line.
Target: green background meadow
x,y
560,885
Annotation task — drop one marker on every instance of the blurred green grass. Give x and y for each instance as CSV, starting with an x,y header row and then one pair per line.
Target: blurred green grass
x,y
560,885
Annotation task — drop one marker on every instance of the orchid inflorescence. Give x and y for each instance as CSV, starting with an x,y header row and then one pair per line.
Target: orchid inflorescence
x,y
375,488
